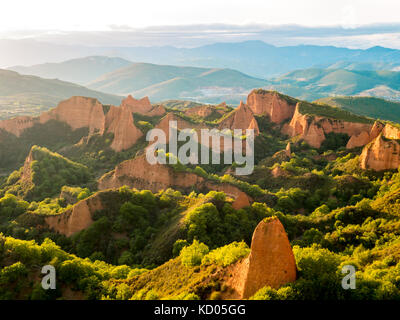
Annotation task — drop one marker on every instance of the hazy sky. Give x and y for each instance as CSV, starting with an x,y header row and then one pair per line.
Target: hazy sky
x,y
91,15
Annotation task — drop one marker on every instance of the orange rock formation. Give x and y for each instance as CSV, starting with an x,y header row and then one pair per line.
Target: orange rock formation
x,y
270,263
241,118
82,112
270,103
312,129
139,173
381,154
75,219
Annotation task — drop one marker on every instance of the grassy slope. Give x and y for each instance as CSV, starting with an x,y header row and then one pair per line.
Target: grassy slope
x,y
366,106
25,94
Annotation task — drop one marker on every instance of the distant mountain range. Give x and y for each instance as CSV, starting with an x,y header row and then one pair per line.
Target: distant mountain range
x,y
30,95
312,84
81,70
255,58
162,82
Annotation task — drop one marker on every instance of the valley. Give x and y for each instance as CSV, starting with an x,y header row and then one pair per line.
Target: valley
x,y
78,192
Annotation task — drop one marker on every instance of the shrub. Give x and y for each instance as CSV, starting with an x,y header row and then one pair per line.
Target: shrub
x,y
192,255
226,255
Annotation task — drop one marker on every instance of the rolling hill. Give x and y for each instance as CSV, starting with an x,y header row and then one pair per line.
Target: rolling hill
x,y
30,95
314,83
256,58
163,82
366,106
82,70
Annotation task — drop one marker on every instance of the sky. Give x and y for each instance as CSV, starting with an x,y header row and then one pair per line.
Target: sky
x,y
103,15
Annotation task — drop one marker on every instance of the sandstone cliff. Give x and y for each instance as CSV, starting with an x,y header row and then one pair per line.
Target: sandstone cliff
x,y
241,118
142,106
77,218
270,263
312,129
272,104
206,110
140,174
18,125
78,112
82,112
119,121
381,154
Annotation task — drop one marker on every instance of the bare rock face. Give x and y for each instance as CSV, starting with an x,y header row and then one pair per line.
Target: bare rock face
x,y
139,173
18,125
358,140
271,261
241,118
391,132
82,112
119,121
381,154
142,106
288,150
313,129
279,172
75,219
78,112
270,103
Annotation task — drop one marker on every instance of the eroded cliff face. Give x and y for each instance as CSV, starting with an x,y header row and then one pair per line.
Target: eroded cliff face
x,y
77,218
119,121
140,174
313,129
241,118
18,125
142,106
78,112
381,154
82,112
271,262
204,111
270,103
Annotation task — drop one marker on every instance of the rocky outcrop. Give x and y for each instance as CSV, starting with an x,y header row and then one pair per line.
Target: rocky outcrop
x,y
381,154
119,121
272,104
358,140
205,111
77,218
140,174
364,137
82,112
241,118
78,112
271,262
279,172
288,150
18,125
313,129
142,106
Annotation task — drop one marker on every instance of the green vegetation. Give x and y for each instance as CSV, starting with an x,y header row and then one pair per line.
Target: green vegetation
x,y
366,106
321,110
173,245
45,175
